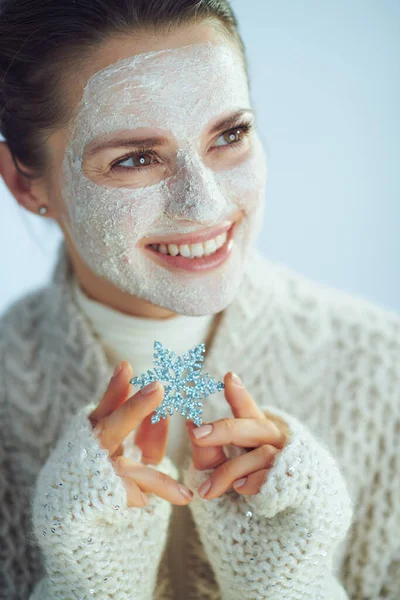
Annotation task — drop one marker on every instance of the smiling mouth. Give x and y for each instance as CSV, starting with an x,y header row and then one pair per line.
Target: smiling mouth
x,y
203,255
197,250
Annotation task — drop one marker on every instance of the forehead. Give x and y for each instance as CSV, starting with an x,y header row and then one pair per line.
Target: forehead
x,y
167,89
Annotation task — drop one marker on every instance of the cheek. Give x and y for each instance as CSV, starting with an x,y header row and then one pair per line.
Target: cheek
x,y
123,223
109,222
245,184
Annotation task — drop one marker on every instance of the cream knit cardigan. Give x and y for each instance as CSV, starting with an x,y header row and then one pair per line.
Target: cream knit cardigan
x,y
325,524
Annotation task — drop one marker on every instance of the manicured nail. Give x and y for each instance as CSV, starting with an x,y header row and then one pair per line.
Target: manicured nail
x,y
236,380
239,482
204,488
149,389
185,492
200,432
118,370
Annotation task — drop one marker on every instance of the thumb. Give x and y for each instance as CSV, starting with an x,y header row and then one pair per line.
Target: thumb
x,y
117,392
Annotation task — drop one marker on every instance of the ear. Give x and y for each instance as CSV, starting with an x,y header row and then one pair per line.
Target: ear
x,y
29,193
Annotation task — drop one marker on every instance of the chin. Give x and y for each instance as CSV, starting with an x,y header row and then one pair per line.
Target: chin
x,y
200,298
199,311
208,308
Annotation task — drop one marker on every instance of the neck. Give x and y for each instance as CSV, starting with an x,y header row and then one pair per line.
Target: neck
x,y
108,294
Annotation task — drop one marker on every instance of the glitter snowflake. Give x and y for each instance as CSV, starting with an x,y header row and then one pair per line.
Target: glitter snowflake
x,y
185,386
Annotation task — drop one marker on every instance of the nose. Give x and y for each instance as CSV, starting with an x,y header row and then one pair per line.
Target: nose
x,y
196,196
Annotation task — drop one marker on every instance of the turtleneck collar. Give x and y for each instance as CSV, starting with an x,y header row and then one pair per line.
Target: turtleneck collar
x,y
126,335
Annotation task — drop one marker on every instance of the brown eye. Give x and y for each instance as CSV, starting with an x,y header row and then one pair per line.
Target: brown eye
x,y
139,159
233,136
142,160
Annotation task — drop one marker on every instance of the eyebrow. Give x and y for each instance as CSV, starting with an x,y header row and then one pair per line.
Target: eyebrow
x,y
226,123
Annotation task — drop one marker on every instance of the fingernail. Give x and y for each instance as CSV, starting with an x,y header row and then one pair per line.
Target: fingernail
x,y
149,389
239,482
200,432
186,492
205,487
236,380
118,370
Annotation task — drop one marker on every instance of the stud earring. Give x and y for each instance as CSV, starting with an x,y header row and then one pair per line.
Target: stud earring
x,y
42,210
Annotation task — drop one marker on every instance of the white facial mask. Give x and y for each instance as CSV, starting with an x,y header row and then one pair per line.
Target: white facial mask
x,y
180,91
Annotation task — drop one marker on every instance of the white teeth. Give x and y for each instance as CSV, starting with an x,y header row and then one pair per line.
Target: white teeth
x,y
197,250
193,250
173,249
221,239
209,247
184,250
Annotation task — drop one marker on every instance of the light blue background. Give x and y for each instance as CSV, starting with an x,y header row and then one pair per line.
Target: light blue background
x,y
326,88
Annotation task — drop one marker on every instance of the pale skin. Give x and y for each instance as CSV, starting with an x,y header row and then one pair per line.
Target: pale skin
x,y
118,413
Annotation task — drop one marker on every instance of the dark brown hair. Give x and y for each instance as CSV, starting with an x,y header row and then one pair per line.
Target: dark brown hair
x,y
43,40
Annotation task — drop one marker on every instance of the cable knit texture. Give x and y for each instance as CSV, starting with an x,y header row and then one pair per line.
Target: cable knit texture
x,y
326,522
301,513
105,547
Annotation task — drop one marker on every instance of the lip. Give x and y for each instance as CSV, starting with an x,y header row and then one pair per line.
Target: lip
x,y
193,238
205,263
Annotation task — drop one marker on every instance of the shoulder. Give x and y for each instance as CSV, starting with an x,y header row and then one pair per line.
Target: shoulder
x,y
29,341
20,330
24,317
32,311
354,321
24,327
359,336
352,318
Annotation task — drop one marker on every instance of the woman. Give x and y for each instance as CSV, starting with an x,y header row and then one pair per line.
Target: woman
x,y
129,123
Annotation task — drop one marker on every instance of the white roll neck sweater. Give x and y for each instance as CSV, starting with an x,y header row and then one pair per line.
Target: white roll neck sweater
x,y
324,525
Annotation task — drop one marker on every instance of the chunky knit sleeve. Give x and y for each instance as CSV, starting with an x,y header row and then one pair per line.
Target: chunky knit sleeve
x,y
280,542
20,567
391,586
93,544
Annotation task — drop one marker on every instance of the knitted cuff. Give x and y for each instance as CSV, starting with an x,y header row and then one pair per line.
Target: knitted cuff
x,y
280,542
304,475
304,471
79,477
91,539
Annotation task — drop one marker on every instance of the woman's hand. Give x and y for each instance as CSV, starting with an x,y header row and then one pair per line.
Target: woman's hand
x,y
96,529
115,417
250,428
274,537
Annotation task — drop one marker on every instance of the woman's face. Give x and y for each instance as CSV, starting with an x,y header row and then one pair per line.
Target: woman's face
x,y
162,177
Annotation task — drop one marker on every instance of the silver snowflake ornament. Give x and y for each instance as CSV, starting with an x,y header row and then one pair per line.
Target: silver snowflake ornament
x,y
184,384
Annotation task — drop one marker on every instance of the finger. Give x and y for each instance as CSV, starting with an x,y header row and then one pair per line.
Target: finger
x,y
238,467
202,457
253,482
153,481
247,433
114,428
117,392
152,439
241,402
243,405
135,496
